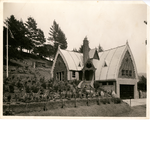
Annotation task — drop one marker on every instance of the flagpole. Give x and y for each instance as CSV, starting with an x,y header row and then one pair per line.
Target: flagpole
x,y
7,53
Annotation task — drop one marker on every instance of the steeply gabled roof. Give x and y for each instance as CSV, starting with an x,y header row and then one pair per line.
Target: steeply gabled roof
x,y
73,59
111,58
107,66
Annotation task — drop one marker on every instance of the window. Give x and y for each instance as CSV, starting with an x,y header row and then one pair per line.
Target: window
x,y
127,73
123,72
110,83
79,64
62,75
57,77
130,73
73,74
104,83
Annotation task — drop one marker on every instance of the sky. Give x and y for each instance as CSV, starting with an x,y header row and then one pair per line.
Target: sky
x,y
107,24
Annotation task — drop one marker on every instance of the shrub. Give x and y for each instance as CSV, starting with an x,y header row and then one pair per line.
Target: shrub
x,y
26,67
34,89
20,70
19,85
9,98
42,80
28,90
96,85
117,100
43,85
103,101
75,82
11,88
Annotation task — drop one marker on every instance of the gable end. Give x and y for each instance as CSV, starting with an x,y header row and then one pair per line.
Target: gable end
x,y
127,69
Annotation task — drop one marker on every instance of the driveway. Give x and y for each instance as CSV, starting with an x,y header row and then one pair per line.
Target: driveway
x,y
136,102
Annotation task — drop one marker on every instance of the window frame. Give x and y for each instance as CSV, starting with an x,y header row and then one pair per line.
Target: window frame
x,y
110,83
104,83
73,74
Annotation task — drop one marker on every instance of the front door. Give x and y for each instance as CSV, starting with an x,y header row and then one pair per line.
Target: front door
x,y
88,75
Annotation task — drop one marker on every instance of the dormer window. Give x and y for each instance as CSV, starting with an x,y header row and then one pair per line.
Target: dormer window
x,y
105,64
79,64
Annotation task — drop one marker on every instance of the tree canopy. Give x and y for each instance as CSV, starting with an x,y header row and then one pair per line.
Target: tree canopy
x,y
35,35
17,30
24,36
142,84
100,49
57,36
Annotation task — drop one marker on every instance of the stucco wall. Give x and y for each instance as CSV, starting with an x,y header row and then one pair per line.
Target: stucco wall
x,y
73,78
109,87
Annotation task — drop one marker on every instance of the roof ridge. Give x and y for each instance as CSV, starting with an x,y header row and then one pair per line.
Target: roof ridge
x,y
70,51
114,48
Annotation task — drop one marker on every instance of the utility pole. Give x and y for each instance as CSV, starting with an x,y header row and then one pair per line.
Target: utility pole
x,y
146,24
7,53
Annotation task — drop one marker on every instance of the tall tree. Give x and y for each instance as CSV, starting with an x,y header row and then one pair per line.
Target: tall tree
x,y
35,34
58,37
18,31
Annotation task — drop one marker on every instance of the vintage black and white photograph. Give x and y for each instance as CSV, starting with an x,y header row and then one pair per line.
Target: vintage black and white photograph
x,y
74,59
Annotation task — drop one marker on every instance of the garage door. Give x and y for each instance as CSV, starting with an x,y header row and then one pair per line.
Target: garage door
x,y
126,91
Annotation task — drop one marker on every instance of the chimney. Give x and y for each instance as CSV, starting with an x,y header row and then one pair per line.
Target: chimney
x,y
85,50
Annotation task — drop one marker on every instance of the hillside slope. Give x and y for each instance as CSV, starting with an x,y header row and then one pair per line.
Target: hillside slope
x,y
28,65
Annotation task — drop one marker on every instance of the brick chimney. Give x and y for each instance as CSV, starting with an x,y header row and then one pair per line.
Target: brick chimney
x,y
85,50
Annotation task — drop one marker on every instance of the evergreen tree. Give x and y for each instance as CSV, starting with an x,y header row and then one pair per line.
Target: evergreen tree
x,y
57,36
81,49
35,35
75,50
100,49
17,30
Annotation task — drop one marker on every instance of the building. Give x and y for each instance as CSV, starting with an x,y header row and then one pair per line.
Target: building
x,y
114,69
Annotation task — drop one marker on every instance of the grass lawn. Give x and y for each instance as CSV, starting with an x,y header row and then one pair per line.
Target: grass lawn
x,y
136,111
85,111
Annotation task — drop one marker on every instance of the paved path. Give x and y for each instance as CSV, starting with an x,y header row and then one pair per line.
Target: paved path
x,y
136,102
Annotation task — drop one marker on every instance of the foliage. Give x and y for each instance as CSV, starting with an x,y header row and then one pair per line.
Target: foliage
x,y
28,90
57,36
81,49
96,85
35,35
117,100
11,88
43,85
100,49
142,84
17,33
34,89
75,50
